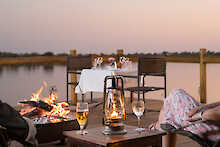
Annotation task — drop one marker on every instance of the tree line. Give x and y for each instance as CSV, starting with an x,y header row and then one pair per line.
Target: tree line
x,y
164,53
10,54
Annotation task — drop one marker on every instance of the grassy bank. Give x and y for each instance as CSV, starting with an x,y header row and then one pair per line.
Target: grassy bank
x,y
32,60
208,59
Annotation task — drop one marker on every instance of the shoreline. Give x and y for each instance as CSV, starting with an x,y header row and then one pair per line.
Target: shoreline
x,y
62,59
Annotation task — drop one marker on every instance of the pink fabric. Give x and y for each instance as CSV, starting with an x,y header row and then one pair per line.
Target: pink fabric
x,y
176,106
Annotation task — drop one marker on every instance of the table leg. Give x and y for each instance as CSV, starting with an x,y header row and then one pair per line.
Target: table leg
x,y
159,143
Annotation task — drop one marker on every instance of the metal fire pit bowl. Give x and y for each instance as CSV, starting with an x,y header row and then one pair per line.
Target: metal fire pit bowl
x,y
50,132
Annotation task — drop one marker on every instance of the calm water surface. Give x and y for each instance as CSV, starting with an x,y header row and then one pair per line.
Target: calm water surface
x,y
18,83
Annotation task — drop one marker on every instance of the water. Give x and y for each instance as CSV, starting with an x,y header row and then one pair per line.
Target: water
x,y
18,83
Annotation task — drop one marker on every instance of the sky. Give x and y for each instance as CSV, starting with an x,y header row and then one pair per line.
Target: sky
x,y
103,26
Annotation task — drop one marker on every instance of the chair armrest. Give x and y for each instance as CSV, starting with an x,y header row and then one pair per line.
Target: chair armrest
x,y
129,76
170,128
202,141
154,74
74,72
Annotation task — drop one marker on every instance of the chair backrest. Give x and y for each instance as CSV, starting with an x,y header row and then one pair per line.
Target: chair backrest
x,y
78,62
73,64
151,66
3,137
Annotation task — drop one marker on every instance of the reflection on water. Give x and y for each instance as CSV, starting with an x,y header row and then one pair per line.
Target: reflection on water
x,y
31,67
47,67
13,68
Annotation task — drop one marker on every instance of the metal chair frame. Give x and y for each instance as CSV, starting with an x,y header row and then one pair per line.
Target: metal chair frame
x,y
148,66
74,65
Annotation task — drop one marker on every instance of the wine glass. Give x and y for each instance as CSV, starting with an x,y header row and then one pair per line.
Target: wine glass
x,y
82,110
138,109
98,61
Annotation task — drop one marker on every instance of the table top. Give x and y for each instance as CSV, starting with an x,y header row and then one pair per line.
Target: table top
x,y
93,79
96,136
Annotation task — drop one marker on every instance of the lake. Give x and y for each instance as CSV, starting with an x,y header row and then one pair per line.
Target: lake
x,y
18,83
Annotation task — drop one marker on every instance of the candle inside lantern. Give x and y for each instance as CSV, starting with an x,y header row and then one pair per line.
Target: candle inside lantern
x,y
114,114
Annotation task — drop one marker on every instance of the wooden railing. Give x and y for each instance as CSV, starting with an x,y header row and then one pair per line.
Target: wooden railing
x,y
203,60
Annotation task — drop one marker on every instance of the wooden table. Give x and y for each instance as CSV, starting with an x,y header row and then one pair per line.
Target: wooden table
x,y
95,138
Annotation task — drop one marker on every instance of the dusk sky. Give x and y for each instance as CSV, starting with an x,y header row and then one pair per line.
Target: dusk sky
x,y
103,26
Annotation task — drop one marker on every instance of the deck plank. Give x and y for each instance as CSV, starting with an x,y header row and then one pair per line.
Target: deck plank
x,y
95,117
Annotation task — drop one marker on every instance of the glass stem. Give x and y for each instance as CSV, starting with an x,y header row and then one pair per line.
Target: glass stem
x,y
139,122
81,129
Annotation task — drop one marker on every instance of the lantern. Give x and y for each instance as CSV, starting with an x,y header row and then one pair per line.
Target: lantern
x,y
114,106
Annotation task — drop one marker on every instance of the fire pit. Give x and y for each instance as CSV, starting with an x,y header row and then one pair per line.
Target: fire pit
x,y
53,131
50,117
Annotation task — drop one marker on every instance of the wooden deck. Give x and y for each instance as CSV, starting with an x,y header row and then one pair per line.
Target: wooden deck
x,y
95,117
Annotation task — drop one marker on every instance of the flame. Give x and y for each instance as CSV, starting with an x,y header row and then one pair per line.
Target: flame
x,y
114,114
36,96
58,108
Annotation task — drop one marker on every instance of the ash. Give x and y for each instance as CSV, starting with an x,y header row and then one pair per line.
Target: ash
x,y
44,119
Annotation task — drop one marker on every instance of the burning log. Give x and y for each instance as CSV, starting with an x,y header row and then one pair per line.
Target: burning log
x,y
32,113
39,104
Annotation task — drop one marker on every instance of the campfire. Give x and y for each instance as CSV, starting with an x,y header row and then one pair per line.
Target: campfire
x,y
45,109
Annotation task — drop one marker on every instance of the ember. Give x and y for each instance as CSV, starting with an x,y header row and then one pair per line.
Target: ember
x,y
45,109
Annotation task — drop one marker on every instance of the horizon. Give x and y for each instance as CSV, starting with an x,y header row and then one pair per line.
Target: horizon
x,y
95,27
161,52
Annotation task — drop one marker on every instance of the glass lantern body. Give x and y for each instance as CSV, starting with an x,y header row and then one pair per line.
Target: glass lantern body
x,y
114,106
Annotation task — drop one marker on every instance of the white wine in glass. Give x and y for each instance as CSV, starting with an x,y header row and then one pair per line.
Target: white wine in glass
x,y
82,111
138,109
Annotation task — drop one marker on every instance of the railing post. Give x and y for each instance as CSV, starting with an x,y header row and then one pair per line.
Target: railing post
x,y
202,76
72,87
120,53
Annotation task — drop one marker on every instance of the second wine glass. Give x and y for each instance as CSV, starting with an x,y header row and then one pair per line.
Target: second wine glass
x,y
82,110
138,109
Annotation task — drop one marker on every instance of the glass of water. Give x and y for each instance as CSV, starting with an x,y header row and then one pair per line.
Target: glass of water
x,y
138,110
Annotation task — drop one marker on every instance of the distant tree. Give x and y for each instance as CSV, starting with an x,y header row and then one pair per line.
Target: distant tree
x,y
34,54
210,53
48,54
79,54
25,55
62,54
165,53
8,54
217,53
195,54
